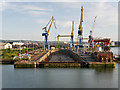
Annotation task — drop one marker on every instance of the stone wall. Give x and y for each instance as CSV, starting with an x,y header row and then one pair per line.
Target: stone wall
x,y
103,56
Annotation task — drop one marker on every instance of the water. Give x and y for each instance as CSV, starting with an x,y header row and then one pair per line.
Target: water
x,y
59,77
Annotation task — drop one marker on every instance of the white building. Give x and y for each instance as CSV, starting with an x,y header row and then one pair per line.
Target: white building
x,y
98,49
18,43
112,43
6,45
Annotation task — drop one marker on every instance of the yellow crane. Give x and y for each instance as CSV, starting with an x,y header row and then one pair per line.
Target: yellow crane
x,y
72,34
46,32
80,31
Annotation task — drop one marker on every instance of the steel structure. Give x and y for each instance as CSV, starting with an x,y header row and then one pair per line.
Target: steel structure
x,y
72,35
104,43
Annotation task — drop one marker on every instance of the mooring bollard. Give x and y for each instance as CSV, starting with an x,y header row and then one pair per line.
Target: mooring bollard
x,y
34,64
113,64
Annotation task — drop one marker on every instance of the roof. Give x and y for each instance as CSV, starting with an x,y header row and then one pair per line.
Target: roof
x,y
11,42
4,44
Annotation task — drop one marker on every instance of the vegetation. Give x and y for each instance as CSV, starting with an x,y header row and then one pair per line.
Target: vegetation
x,y
10,53
115,46
61,46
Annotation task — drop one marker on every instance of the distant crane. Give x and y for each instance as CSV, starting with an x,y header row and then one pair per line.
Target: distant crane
x,y
46,33
62,36
72,35
91,43
93,25
80,31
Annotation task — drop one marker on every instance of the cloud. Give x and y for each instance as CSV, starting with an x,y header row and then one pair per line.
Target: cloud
x,y
62,0
36,13
30,9
41,21
64,24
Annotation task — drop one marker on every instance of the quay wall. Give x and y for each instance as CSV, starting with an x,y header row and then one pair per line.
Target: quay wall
x,y
102,64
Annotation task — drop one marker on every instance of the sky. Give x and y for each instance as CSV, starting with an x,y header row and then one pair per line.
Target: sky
x,y
25,20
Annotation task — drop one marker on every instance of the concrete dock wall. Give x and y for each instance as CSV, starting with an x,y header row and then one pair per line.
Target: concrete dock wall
x,y
102,64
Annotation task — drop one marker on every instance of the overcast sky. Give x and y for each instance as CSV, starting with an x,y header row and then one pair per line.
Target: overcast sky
x,y
25,20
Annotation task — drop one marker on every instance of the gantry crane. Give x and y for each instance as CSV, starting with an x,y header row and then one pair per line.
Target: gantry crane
x,y
46,32
72,35
90,41
80,31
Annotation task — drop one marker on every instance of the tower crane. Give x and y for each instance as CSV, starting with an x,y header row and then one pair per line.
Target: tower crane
x,y
72,35
80,31
91,43
46,32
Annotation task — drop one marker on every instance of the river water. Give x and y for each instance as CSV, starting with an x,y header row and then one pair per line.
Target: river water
x,y
60,77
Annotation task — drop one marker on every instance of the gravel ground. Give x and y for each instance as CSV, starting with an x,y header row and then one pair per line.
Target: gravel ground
x,y
62,58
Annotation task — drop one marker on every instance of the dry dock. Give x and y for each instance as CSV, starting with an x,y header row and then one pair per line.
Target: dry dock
x,y
63,58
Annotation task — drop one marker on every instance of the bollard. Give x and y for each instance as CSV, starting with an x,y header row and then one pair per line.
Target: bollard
x,y
34,64
113,64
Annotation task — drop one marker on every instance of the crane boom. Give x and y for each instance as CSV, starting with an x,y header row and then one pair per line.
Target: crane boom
x,y
44,28
49,29
64,36
93,24
52,21
81,20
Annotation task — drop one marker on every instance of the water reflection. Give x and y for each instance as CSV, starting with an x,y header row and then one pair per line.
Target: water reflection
x,y
104,69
